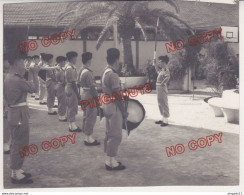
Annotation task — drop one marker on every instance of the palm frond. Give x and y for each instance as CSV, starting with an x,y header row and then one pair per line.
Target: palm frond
x,y
161,14
105,32
103,36
139,25
174,4
63,15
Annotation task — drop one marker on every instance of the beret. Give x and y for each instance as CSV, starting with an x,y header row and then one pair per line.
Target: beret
x,y
86,57
113,52
47,57
60,59
71,55
164,59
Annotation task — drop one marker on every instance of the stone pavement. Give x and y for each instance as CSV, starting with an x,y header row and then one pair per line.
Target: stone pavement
x,y
143,152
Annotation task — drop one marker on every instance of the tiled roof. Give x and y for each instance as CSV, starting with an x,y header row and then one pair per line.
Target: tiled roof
x,y
197,14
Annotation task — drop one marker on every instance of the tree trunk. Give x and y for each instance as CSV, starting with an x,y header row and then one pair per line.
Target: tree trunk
x,y
128,58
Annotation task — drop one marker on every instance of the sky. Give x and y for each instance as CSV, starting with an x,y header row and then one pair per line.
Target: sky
x,y
215,1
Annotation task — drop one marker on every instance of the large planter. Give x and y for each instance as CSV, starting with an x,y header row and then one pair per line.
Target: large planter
x,y
130,82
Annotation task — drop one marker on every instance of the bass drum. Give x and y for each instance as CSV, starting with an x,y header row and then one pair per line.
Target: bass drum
x,y
136,114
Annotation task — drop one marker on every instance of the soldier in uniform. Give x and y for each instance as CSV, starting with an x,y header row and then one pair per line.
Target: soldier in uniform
x,y
60,77
71,91
87,83
6,129
114,112
42,82
50,83
33,73
15,89
162,89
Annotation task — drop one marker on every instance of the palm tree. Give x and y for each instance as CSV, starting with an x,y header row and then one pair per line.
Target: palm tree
x,y
126,16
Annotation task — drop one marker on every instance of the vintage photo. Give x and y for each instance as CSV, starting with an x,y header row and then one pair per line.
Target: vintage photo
x,y
120,94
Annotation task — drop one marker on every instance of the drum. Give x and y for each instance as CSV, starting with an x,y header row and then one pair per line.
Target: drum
x,y
136,114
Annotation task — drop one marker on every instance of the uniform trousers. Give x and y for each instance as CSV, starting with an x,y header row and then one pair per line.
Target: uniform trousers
x,y
114,122
42,89
51,92
71,103
162,95
89,114
61,99
18,119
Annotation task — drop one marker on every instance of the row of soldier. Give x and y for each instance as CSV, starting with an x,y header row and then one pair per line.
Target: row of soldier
x,y
62,81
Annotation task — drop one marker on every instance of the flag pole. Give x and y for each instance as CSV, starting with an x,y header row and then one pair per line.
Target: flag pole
x,y
155,49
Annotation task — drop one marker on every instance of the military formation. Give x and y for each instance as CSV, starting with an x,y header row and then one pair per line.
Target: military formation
x,y
39,74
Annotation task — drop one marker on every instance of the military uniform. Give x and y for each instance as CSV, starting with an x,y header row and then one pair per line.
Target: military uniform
x,y
33,75
162,91
86,81
60,77
50,84
42,86
71,96
15,90
114,119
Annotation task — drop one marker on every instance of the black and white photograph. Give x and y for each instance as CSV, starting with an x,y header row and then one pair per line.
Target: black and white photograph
x,y
120,94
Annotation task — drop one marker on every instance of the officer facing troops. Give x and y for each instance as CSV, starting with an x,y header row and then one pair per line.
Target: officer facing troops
x,y
88,90
71,91
114,112
15,89
60,77
162,89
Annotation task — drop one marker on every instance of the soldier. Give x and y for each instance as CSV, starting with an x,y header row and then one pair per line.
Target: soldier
x,y
114,112
60,77
162,90
87,82
71,91
50,83
15,89
33,73
6,129
42,82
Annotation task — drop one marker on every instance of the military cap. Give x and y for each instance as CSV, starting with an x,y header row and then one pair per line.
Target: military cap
x,y
60,59
71,55
86,57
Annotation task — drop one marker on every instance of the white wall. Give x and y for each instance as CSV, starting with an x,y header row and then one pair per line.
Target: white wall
x,y
146,50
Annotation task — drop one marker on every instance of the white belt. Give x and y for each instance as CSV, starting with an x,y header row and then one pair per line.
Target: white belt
x,y
19,105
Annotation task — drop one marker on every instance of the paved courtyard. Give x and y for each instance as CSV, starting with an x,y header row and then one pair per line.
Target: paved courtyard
x,y
143,152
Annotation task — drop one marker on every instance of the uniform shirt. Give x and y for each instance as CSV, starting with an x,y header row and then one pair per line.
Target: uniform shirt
x,y
85,78
70,73
15,89
50,74
110,81
60,76
163,75
34,69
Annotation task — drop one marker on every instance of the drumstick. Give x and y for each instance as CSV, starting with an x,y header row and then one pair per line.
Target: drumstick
x,y
125,120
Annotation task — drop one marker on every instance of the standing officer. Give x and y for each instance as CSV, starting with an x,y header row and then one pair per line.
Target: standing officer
x,y
71,91
87,82
114,112
15,89
50,84
162,89
60,77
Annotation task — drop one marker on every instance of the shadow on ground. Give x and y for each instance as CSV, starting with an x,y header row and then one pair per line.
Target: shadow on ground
x,y
143,152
